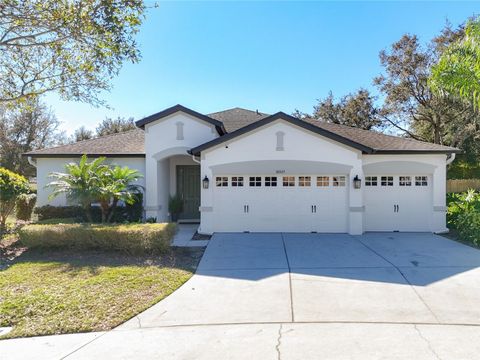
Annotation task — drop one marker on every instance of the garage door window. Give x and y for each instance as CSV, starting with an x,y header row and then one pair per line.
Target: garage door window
x,y
222,181
371,181
323,180
421,181
270,181
405,181
255,181
339,181
288,181
237,181
387,181
304,181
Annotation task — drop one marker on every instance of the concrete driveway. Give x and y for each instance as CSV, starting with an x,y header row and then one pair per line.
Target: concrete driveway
x,y
301,296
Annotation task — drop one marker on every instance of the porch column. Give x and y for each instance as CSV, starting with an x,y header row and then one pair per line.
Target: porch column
x,y
157,185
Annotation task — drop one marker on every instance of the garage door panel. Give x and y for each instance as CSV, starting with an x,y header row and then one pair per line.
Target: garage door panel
x,y
397,207
279,208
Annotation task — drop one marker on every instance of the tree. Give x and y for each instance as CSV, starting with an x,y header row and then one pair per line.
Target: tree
x,y
355,110
82,133
88,182
73,47
12,185
29,126
410,105
113,126
457,72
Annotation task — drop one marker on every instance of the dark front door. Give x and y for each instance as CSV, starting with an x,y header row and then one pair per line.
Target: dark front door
x,y
188,187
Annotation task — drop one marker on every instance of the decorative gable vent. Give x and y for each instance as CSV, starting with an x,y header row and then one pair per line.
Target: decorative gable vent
x,y
179,130
280,140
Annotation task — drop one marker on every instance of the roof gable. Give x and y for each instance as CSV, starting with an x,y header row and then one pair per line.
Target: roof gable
x,y
236,118
179,108
290,119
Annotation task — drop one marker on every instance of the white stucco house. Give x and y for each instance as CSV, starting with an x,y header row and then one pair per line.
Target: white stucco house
x,y
240,170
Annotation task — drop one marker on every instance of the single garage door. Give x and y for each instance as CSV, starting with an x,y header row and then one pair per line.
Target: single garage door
x,y
398,202
286,203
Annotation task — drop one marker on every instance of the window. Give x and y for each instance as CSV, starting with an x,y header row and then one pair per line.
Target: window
x,y
386,181
221,181
421,180
405,181
339,181
237,181
371,181
323,180
289,181
255,181
304,181
270,181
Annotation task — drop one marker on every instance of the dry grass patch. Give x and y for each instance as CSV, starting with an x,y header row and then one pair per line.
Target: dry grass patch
x,y
56,293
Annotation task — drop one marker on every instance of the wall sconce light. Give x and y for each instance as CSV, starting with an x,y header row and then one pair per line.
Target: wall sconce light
x,y
357,183
205,182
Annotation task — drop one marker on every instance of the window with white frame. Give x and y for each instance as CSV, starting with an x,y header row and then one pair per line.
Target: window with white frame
x,y
371,181
304,181
255,181
386,181
221,181
339,181
421,180
237,181
288,181
405,181
270,181
323,180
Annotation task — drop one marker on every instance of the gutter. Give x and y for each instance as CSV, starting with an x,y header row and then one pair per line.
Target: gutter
x,y
450,158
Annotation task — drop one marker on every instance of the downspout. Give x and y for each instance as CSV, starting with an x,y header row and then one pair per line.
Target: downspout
x,y
197,161
32,162
450,158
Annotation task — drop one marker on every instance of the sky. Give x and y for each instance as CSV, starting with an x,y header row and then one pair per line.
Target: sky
x,y
270,56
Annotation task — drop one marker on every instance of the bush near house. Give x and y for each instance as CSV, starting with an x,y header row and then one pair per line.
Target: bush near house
x,y
463,215
24,206
130,238
12,185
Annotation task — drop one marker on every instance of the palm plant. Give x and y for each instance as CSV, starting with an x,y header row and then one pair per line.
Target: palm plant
x,y
89,182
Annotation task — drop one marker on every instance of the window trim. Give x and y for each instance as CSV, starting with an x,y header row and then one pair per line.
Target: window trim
x,y
221,181
388,180
339,181
238,181
371,180
271,181
407,180
305,181
288,180
257,181
323,181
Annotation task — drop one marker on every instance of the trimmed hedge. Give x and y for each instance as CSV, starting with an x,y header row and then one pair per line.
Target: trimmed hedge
x,y
130,239
128,213
24,206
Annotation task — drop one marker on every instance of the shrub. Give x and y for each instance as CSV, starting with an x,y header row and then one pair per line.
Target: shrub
x,y
131,238
24,206
459,204
468,226
54,212
11,186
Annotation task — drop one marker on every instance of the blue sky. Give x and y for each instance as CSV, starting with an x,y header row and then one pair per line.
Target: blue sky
x,y
270,56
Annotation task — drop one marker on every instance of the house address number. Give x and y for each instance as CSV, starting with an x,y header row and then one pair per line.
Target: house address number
x,y
280,171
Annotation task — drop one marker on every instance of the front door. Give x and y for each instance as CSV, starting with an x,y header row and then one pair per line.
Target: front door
x,y
188,188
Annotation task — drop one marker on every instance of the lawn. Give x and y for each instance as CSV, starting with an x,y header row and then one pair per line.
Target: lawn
x,y
44,293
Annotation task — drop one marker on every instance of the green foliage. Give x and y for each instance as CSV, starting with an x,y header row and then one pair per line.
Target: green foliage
x,y
11,186
458,69
24,206
463,214
461,169
112,126
175,206
72,47
89,182
48,212
468,226
130,239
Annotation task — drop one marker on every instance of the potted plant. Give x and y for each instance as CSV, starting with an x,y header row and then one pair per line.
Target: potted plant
x,y
175,206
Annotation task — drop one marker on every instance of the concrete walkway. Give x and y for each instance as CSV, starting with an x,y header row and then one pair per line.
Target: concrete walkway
x,y
302,296
183,237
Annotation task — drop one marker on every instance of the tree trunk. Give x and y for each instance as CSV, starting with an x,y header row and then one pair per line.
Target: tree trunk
x,y
88,212
112,210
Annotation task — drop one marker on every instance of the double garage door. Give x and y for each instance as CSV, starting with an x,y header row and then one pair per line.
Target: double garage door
x,y
319,203
289,203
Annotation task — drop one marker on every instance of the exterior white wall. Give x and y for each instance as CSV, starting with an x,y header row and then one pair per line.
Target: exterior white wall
x,y
298,145
162,141
45,166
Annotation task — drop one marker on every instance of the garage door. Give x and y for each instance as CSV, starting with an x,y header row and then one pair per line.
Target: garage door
x,y
398,202
287,203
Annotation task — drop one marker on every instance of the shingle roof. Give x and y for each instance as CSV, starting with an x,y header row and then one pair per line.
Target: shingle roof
x,y
380,142
129,143
236,118
238,121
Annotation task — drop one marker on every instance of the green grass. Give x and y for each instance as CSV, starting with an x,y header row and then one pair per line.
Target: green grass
x,y
57,293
